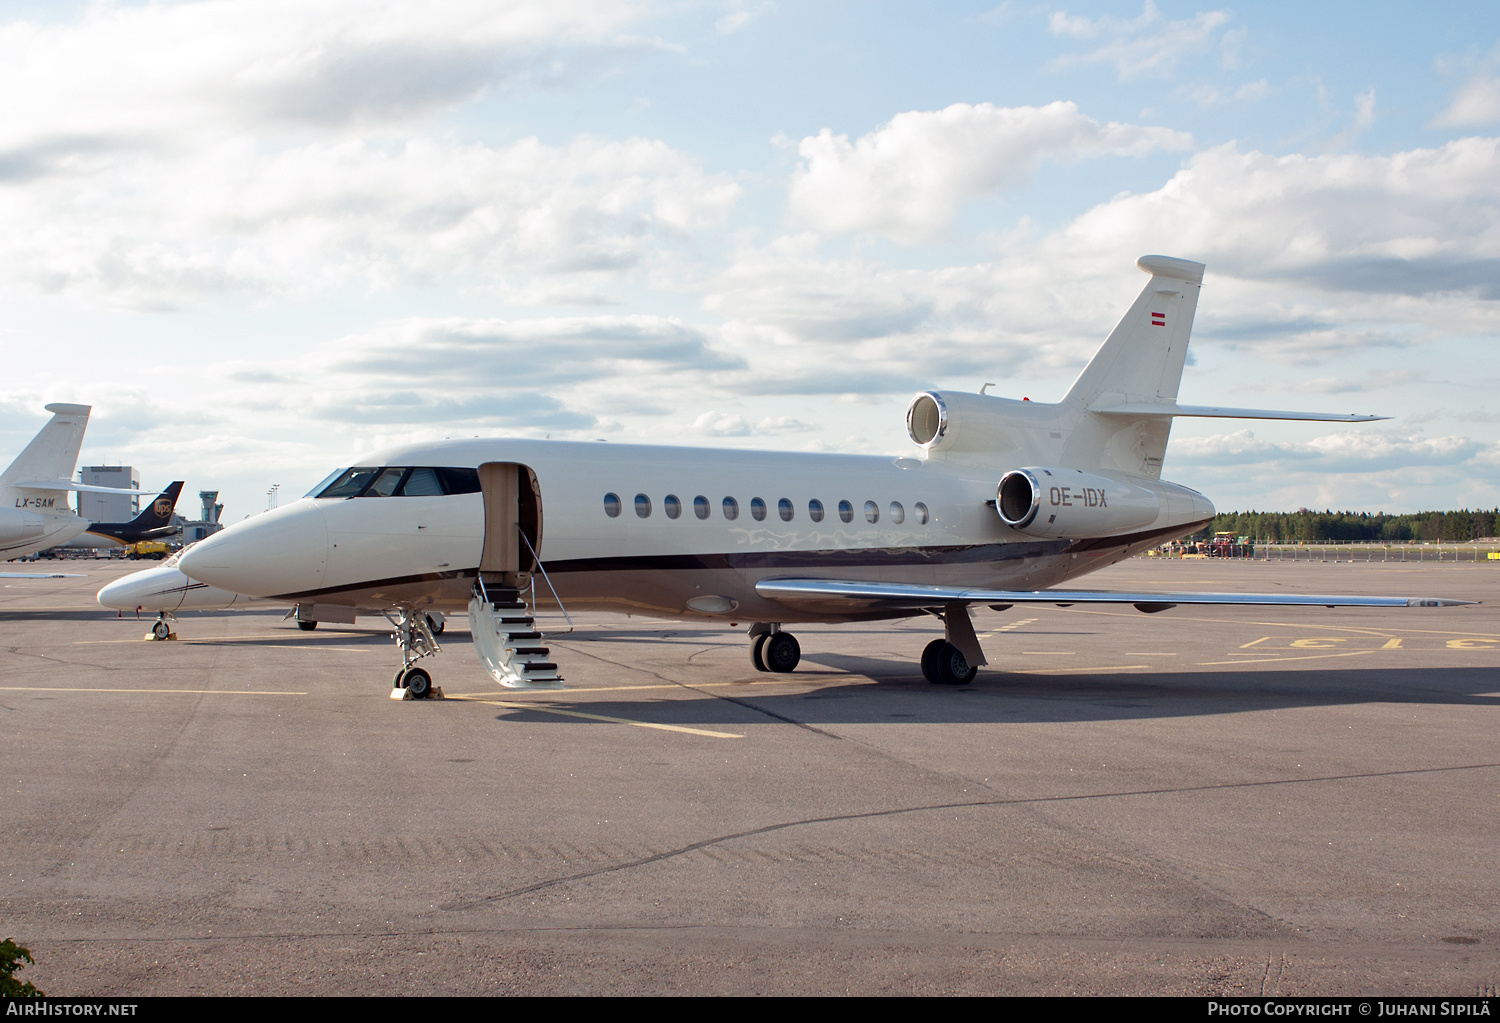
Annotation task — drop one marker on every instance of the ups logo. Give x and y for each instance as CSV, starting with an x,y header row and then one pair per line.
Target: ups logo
x,y
162,508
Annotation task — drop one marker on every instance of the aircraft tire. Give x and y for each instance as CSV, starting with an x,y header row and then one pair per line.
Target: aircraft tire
x,y
781,652
930,654
307,626
418,683
953,668
161,630
757,652
436,628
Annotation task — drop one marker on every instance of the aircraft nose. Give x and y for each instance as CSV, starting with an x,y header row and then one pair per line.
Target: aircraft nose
x,y
283,551
138,589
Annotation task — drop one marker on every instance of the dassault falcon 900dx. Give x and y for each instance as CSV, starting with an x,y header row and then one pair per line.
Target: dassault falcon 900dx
x,y
1005,501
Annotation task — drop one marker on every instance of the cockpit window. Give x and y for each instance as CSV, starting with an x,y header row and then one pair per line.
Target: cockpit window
x,y
317,491
422,483
384,485
350,483
459,481
385,481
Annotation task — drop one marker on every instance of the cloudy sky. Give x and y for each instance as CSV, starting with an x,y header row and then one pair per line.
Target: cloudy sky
x,y
263,237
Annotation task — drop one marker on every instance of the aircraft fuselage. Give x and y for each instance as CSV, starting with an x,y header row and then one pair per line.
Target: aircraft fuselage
x,y
672,548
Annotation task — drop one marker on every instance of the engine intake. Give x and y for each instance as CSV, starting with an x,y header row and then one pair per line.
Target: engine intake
x,y
1075,504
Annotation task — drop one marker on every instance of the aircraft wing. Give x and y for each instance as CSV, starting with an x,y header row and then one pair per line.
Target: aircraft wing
x,y
847,593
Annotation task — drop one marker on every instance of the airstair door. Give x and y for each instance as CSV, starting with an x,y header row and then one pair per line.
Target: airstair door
x,y
500,616
512,523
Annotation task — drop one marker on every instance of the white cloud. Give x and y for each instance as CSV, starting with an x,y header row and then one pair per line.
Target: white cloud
x,y
1477,102
907,179
1143,47
150,230
739,13
157,74
155,155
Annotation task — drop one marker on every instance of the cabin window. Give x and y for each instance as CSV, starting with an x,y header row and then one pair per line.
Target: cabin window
x,y
671,506
700,507
785,510
815,510
757,509
898,513
612,505
872,512
731,509
642,506
920,510
846,511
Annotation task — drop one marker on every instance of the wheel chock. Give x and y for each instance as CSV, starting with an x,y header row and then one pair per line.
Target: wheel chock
x,y
402,693
152,637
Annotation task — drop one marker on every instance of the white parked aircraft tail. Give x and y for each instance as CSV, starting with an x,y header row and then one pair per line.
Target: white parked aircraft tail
x,y
52,454
1142,359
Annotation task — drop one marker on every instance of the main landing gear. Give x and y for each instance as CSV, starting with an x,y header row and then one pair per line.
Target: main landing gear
x,y
773,650
955,659
945,664
414,637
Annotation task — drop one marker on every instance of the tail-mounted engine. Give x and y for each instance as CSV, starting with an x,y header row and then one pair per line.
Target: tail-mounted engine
x,y
1079,505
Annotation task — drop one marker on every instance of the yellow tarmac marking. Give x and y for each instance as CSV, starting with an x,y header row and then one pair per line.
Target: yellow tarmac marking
x,y
1305,657
1253,642
200,692
1383,630
1049,653
1392,644
603,717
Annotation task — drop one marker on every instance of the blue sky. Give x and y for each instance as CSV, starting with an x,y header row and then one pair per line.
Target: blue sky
x,y
262,238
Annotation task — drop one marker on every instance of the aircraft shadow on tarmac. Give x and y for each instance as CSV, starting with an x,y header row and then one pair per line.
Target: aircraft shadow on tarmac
x,y
996,697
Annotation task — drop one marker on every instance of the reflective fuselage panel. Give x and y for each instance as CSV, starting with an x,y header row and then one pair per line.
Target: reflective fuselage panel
x,y
903,520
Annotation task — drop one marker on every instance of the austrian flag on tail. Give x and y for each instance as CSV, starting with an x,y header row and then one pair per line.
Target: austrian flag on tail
x,y
1158,319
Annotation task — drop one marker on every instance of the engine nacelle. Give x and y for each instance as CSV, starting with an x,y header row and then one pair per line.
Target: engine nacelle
x,y
16,526
948,423
1080,505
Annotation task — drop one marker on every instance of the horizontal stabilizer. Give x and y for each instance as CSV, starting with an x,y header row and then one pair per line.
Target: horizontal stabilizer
x,y
894,596
84,487
1150,408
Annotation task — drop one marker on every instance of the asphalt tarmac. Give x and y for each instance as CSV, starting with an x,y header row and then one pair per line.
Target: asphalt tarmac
x,y
1202,801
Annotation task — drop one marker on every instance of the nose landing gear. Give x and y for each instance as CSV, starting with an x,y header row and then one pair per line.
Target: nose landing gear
x,y
414,636
161,630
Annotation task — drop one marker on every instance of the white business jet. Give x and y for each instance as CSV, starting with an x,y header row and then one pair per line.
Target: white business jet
x,y
34,512
1002,501
165,590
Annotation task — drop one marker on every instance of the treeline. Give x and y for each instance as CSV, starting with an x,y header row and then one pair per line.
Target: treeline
x,y
1307,526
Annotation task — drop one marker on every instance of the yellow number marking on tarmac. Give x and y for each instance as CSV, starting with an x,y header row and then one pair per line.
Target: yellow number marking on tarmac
x,y
1254,642
1304,657
1472,644
1318,642
1393,643
198,692
508,705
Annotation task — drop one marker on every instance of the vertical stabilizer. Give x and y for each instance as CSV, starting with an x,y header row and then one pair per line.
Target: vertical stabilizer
x,y
1143,357
1140,364
53,453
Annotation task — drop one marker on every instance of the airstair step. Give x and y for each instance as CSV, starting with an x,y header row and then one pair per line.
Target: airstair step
x,y
535,666
522,651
